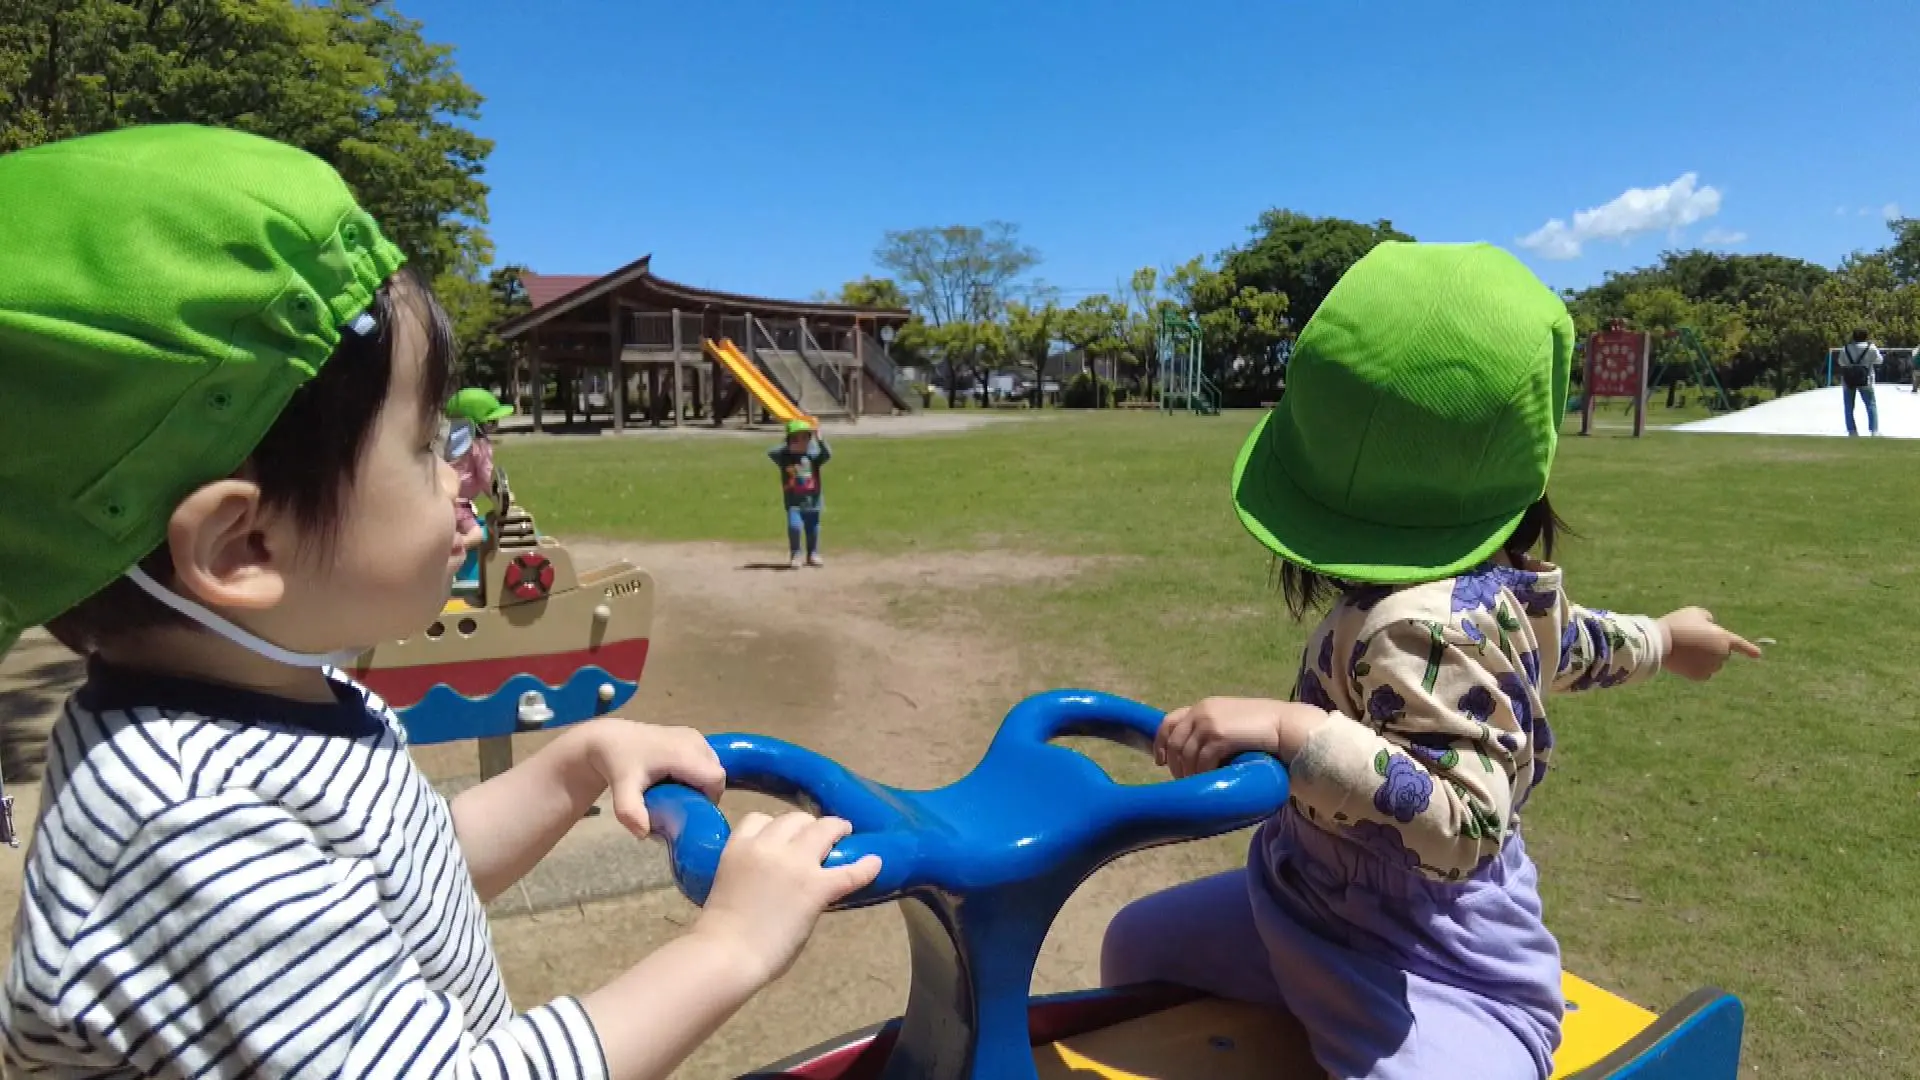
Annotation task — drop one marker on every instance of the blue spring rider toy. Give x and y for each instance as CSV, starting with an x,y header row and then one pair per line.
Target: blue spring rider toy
x,y
982,866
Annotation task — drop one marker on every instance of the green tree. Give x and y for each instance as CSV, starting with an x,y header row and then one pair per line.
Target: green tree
x,y
1031,331
873,292
1248,332
352,81
910,344
970,350
1301,257
1764,319
1903,255
1243,330
957,273
475,307
1096,327
959,279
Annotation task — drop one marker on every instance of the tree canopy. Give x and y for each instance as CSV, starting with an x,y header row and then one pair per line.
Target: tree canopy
x,y
352,81
1765,320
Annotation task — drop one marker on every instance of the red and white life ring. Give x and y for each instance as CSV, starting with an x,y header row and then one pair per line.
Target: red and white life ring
x,y
530,576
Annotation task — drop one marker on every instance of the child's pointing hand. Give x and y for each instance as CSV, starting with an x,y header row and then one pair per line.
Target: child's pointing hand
x,y
1697,647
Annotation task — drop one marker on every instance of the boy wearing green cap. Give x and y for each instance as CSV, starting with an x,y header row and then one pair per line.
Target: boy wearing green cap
x,y
1402,482
800,458
223,473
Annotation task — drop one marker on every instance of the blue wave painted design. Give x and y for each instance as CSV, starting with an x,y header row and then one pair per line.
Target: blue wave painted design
x,y
446,715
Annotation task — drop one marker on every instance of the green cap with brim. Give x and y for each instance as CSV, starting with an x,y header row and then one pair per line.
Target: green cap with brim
x,y
477,405
798,427
1420,419
163,291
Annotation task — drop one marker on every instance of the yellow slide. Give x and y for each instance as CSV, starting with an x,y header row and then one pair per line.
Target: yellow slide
x,y
756,382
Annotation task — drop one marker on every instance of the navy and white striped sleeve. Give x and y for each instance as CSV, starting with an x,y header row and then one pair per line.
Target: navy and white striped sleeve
x,y
226,942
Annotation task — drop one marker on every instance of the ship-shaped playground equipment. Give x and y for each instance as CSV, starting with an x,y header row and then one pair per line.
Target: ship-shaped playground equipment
x,y
541,646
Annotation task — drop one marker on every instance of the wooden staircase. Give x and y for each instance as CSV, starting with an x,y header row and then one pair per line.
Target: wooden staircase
x,y
819,390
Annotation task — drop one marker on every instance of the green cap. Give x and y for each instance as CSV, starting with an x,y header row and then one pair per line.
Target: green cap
x,y
1420,419
477,405
796,427
163,291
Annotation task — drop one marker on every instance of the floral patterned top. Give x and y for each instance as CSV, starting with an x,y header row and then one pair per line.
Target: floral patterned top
x,y
1440,726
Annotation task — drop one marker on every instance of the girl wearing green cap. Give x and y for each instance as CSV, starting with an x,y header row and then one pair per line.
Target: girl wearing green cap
x,y
1391,906
225,473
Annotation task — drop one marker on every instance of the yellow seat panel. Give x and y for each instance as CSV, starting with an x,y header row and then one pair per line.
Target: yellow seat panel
x,y
1209,1039
1213,1039
1597,1023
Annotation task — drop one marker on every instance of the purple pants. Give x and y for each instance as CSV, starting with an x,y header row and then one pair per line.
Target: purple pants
x,y
1394,977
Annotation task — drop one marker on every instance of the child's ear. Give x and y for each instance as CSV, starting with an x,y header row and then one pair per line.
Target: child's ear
x,y
228,551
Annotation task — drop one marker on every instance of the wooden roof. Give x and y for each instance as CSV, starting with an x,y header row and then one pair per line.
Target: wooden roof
x,y
544,289
554,295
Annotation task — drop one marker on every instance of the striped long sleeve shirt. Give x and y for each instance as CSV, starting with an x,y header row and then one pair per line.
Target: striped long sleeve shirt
x,y
226,884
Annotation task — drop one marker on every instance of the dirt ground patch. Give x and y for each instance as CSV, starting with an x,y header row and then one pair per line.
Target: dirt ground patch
x,y
882,663
878,662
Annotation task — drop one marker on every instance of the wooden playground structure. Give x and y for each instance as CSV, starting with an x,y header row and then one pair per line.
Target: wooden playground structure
x,y
671,353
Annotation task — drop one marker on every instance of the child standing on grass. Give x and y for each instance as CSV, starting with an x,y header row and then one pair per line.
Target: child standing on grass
x,y
800,458
1391,905
224,473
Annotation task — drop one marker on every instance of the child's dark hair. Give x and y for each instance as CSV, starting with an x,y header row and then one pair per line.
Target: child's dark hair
x,y
306,461
1307,590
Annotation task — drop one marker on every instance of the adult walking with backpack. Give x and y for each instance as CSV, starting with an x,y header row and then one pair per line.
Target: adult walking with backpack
x,y
1859,366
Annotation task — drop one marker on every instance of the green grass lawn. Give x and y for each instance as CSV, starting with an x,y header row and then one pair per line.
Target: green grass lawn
x,y
1757,833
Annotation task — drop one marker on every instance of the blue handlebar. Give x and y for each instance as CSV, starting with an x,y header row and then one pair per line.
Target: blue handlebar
x,y
982,865
1028,806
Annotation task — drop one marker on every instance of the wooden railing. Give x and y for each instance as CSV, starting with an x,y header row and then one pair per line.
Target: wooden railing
x,y
828,373
769,351
873,357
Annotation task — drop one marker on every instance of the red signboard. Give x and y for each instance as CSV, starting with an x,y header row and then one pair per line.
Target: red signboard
x,y
1616,368
1616,364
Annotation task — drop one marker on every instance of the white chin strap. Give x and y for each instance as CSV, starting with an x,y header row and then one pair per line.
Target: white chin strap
x,y
247,640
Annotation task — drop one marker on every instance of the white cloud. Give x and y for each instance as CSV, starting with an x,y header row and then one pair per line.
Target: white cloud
x,y
1669,207
1722,237
1552,241
1890,211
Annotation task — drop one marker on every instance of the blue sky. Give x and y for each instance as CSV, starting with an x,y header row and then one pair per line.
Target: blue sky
x,y
765,147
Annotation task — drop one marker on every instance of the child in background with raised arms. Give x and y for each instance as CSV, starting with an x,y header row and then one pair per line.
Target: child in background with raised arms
x,y
800,459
